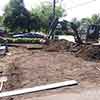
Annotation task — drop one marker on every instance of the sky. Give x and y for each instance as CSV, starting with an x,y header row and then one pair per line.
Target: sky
x,y
73,8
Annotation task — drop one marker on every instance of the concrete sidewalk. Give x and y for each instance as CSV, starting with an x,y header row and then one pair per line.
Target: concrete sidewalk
x,y
92,94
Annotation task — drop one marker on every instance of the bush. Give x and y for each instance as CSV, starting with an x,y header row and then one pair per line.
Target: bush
x,y
2,40
68,33
23,40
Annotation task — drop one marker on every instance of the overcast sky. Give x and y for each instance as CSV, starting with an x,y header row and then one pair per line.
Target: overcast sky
x,y
86,8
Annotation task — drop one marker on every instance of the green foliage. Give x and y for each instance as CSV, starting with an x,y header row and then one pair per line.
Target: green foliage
x,y
17,18
94,19
44,12
58,32
23,40
76,22
1,20
86,21
35,23
68,33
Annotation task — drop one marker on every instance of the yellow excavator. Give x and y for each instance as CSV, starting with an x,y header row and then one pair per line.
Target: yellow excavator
x,y
91,35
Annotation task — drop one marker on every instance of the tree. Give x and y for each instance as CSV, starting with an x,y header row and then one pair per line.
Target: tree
x,y
94,19
1,20
44,13
17,17
85,21
34,23
76,22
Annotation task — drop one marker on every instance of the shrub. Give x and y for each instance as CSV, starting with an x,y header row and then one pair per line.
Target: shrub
x,y
23,40
68,33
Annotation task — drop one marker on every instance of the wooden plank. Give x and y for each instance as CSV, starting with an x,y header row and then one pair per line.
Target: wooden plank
x,y
38,88
2,80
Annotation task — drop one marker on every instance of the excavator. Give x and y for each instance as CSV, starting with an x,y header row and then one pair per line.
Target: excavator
x,y
91,35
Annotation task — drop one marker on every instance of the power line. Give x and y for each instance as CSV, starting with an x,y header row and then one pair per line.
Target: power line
x,y
82,4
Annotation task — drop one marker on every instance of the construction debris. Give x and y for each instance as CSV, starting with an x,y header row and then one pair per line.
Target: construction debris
x,y
38,88
2,80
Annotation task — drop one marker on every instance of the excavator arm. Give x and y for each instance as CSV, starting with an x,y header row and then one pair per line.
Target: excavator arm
x,y
73,26
52,28
76,33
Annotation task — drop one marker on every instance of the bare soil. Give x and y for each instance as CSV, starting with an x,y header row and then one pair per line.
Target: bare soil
x,y
28,68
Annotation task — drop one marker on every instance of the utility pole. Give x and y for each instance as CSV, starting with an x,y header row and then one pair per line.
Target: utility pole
x,y
54,6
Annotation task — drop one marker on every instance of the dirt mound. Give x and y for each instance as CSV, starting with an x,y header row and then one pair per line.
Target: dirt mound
x,y
27,68
58,45
89,52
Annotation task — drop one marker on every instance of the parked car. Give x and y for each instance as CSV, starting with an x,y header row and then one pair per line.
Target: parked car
x,y
29,35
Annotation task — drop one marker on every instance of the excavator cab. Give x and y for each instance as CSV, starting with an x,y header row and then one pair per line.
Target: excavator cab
x,y
93,33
